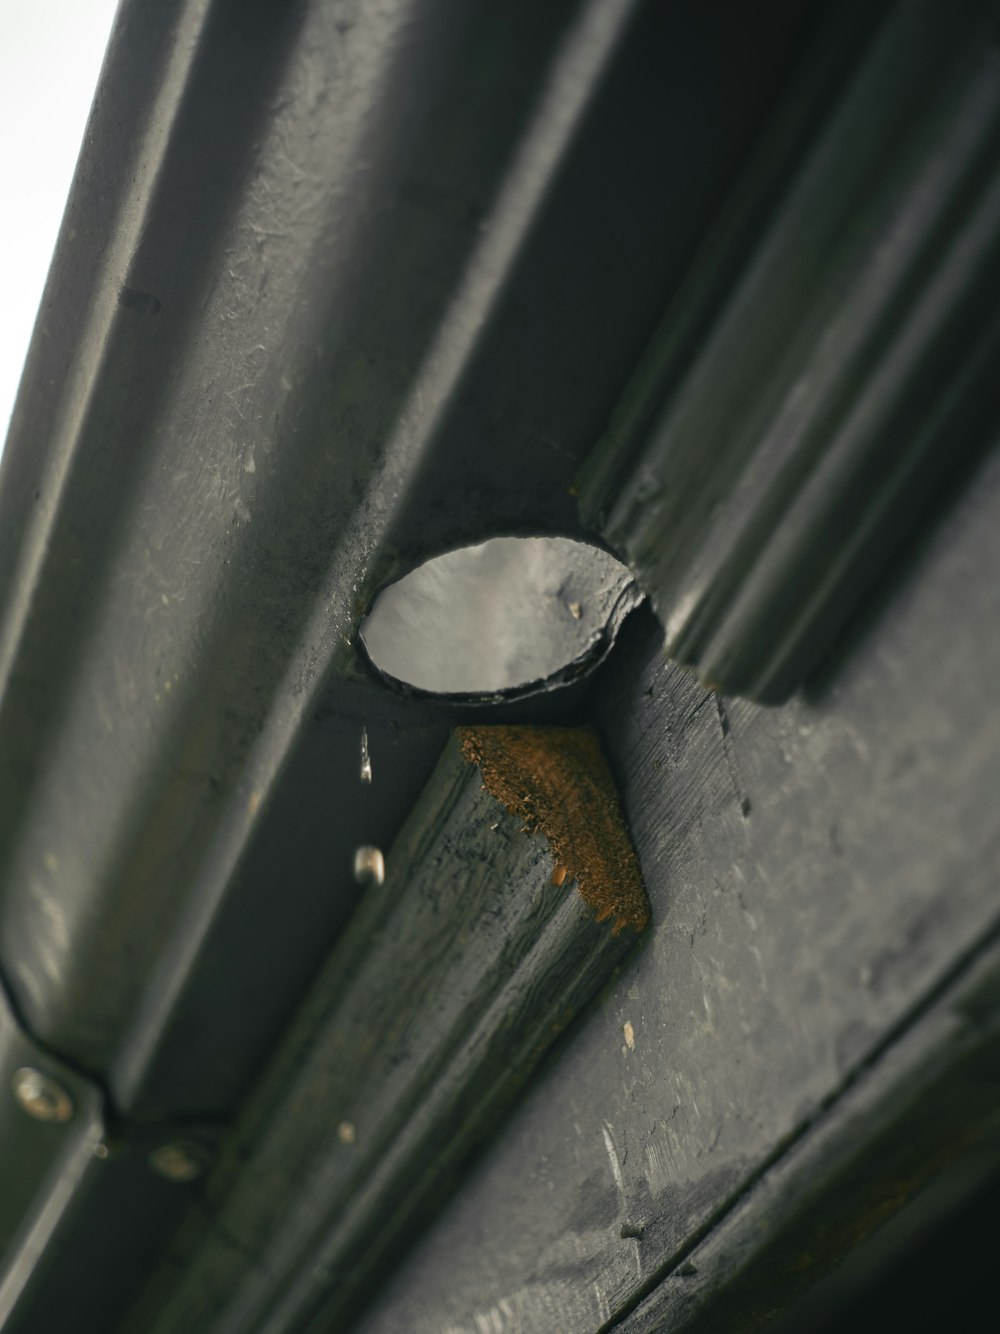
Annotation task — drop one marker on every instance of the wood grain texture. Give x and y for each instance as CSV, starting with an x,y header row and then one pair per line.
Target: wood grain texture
x,y
451,982
929,1103
817,874
828,362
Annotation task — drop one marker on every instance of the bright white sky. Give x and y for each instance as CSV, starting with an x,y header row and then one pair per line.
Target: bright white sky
x,y
50,56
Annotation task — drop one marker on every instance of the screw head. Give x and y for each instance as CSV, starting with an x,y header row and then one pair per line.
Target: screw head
x,y
41,1097
369,866
181,1160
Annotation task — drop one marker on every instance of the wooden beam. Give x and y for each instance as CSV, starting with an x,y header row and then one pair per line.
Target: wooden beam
x,y
510,895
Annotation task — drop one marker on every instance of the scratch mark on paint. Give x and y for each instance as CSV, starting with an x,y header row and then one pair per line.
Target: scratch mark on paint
x,y
735,777
629,1230
616,1167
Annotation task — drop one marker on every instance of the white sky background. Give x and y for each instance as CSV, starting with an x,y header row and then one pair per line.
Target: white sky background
x,y
50,57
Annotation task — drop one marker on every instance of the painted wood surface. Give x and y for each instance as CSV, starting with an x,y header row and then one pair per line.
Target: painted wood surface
x,y
497,921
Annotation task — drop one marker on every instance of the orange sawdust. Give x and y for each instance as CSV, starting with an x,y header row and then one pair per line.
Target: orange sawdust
x,y
556,780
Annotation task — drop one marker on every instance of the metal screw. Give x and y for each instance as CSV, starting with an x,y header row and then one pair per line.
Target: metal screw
x,y
181,1160
369,866
41,1097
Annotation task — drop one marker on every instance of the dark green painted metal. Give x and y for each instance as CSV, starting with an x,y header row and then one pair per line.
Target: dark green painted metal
x,y
43,1163
829,360
339,285
405,256
83,1217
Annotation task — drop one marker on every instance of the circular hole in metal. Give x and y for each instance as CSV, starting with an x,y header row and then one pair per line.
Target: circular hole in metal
x,y
508,616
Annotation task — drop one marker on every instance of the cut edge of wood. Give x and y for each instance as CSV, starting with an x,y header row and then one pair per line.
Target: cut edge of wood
x,y
556,780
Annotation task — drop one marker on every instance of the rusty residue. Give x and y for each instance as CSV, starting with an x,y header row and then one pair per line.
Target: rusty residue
x,y
556,780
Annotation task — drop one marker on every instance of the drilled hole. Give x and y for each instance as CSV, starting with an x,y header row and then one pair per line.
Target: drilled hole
x,y
509,615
